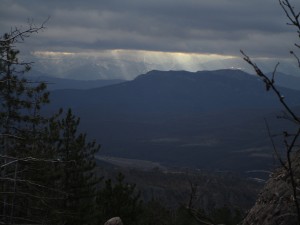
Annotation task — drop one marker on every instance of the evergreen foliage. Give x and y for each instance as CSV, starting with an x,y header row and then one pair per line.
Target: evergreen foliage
x,y
119,199
155,213
20,119
46,166
78,177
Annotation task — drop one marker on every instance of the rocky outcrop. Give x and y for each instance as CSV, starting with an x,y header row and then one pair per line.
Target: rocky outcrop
x,y
275,204
114,221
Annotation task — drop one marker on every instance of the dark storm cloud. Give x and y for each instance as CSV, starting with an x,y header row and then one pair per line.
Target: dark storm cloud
x,y
203,26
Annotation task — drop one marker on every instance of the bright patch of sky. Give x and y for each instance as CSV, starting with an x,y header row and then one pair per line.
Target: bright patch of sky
x,y
141,59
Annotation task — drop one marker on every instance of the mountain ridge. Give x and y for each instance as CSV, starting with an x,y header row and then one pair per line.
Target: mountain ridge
x,y
211,120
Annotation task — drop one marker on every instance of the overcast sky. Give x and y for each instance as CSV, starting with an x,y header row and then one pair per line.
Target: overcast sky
x,y
183,31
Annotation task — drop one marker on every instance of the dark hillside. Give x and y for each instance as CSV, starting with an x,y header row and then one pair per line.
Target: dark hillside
x,y
207,119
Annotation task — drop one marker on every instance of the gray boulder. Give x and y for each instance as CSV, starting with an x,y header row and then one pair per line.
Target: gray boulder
x,y
114,221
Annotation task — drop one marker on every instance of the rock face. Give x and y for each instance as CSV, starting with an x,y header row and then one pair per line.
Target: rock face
x,y
275,204
114,221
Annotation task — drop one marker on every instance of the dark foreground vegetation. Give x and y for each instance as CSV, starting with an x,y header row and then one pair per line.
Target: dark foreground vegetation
x,y
47,167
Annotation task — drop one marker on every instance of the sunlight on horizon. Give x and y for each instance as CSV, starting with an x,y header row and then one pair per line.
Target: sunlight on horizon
x,y
137,55
142,60
127,64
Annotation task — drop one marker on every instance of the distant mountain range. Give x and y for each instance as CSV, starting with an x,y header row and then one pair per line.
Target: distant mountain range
x,y
208,119
288,81
74,79
54,83
86,68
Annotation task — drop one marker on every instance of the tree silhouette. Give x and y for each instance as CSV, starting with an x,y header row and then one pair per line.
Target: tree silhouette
x,y
46,166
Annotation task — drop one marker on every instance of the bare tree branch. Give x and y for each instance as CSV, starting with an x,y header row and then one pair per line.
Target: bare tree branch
x,y
17,34
270,84
274,146
296,57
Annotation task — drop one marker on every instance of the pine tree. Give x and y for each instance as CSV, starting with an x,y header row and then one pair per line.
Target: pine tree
x,y
21,129
119,199
78,178
47,168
